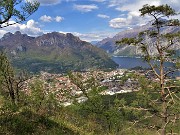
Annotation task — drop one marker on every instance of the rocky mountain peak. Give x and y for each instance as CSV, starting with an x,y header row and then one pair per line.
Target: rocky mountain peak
x,y
17,33
70,36
108,44
7,35
54,52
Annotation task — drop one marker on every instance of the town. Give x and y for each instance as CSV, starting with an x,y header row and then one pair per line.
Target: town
x,y
66,91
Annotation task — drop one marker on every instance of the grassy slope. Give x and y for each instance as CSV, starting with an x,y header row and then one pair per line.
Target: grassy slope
x,y
67,121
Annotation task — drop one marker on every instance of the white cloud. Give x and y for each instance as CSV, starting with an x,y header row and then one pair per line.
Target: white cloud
x,y
2,32
134,13
131,8
173,3
46,18
94,36
85,8
58,18
103,16
50,2
30,28
136,5
118,22
131,20
113,3
98,0
47,2
129,5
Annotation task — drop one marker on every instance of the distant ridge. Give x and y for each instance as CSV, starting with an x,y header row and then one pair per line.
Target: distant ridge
x,y
53,52
108,44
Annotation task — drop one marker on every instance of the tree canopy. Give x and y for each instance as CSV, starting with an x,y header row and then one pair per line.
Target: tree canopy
x,y
17,10
157,48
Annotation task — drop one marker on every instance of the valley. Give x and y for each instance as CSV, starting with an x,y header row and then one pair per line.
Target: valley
x,y
93,67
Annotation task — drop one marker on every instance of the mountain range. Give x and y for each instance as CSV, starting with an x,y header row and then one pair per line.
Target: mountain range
x,y
108,44
53,52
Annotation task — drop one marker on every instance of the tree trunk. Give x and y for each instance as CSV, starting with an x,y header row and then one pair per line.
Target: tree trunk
x,y
12,96
164,105
11,91
163,95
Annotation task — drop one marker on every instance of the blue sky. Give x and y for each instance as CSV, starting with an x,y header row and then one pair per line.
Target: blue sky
x,y
91,20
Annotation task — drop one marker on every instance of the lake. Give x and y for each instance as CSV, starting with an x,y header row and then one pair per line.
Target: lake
x,y
131,62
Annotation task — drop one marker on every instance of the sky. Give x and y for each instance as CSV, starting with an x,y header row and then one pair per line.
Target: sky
x,y
91,20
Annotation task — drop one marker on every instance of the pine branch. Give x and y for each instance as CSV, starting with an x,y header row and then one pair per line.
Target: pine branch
x,y
158,76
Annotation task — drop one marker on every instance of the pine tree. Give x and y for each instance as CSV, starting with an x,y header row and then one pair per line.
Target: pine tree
x,y
19,11
10,83
163,45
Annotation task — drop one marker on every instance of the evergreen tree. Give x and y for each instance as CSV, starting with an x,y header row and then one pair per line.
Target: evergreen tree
x,y
165,107
11,84
19,11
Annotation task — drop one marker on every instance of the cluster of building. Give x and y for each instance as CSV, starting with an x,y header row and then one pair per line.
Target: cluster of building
x,y
66,91
115,84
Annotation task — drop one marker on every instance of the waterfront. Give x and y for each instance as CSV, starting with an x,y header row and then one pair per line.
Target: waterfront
x,y
132,62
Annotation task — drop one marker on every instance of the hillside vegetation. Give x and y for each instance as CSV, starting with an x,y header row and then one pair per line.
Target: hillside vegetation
x,y
54,52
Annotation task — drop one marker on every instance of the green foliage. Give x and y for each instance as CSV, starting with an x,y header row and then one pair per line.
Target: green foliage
x,y
178,65
37,93
11,82
16,9
159,101
164,10
7,78
39,100
28,122
129,41
129,113
52,60
164,50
